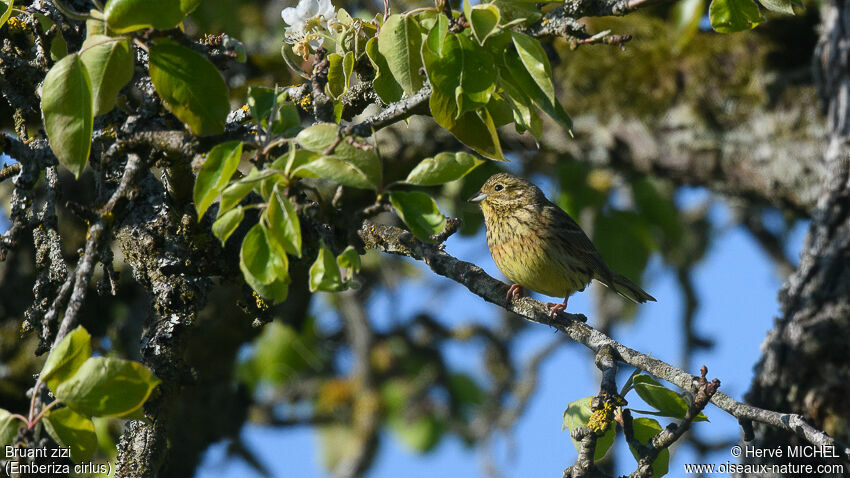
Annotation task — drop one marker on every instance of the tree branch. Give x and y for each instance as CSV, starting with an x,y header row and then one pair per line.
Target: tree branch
x,y
395,240
393,113
97,239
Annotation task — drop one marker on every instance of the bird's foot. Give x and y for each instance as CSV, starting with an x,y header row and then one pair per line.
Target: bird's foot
x,y
514,291
555,309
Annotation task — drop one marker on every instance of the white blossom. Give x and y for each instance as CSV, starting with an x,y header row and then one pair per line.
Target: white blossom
x,y
307,21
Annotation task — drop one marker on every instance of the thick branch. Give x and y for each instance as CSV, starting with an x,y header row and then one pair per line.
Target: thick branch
x,y
398,241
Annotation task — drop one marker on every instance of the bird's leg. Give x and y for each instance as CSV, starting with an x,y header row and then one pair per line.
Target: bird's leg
x,y
513,291
557,308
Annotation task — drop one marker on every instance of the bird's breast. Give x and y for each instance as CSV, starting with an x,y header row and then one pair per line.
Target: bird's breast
x,y
525,253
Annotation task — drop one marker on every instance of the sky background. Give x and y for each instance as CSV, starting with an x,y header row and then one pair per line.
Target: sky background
x,y
737,284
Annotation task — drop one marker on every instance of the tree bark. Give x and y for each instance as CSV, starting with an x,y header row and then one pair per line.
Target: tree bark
x,y
804,367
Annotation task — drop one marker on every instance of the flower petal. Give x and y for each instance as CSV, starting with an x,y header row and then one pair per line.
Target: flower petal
x,y
290,16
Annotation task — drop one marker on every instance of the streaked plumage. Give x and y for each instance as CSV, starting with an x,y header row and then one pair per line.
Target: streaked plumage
x,y
539,246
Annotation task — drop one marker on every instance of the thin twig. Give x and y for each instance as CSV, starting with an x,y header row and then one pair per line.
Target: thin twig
x,y
97,238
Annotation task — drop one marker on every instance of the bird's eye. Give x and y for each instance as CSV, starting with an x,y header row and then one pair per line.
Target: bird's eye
x,y
499,187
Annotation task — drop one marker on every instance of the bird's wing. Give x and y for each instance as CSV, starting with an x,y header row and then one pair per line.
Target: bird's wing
x,y
573,239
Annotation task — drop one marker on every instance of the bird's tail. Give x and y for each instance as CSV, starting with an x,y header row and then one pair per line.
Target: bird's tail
x,y
629,289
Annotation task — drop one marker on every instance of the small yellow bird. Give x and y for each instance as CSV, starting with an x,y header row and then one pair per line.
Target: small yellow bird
x,y
540,247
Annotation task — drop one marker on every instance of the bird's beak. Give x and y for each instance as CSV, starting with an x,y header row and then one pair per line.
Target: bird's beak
x,y
478,197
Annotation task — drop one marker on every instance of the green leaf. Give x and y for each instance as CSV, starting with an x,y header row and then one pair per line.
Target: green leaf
x,y
348,165
9,426
687,15
779,6
644,430
385,84
442,168
536,63
465,389
235,191
71,430
190,87
349,259
66,103
284,226
66,358
109,62
525,114
477,76
730,16
296,158
337,171
224,226
216,171
281,353
324,273
260,100
529,85
666,401
107,387
511,10
255,257
419,434
576,416
419,212
483,19
443,64
400,42
336,84
7,13
339,73
129,15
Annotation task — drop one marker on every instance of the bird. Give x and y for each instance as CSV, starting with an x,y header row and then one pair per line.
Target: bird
x,y
540,247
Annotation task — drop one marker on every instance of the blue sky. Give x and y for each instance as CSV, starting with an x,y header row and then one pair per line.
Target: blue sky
x,y
738,287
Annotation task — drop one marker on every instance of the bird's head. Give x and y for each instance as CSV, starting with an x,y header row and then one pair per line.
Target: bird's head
x,y
505,191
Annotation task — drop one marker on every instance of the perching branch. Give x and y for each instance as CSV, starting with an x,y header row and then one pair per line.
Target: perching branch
x,y
395,240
